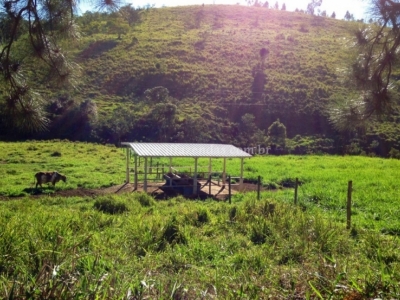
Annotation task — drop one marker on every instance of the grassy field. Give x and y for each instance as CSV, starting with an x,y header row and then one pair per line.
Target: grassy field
x,y
324,178
131,246
85,165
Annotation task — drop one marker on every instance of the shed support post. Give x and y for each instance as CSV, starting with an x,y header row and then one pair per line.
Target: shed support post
x,y
136,172
195,177
224,172
128,150
241,174
145,175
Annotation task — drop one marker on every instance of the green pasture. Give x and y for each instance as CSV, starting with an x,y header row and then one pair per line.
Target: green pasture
x,y
324,178
132,247
85,165
324,184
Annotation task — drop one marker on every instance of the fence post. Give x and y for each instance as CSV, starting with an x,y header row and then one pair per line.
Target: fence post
x,y
258,187
158,177
151,166
209,184
295,190
349,190
229,189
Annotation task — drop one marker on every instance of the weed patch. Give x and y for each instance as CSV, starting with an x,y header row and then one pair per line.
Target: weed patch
x,y
110,206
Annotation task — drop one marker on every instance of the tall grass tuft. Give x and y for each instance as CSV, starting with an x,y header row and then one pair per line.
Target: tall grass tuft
x,y
260,231
144,199
172,235
202,217
110,206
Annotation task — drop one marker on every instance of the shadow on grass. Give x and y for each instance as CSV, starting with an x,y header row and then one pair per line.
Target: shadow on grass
x,y
38,191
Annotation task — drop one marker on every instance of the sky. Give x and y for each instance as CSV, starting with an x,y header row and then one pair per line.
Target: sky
x,y
355,7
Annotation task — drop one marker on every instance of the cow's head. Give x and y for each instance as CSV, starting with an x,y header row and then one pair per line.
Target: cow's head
x,y
63,177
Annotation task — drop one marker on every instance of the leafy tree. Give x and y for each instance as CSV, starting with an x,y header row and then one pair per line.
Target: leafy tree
x,y
266,4
263,55
259,138
117,26
157,94
76,123
371,73
333,15
283,6
164,119
248,128
117,126
276,6
347,16
36,30
129,14
323,13
277,134
312,6
248,122
194,130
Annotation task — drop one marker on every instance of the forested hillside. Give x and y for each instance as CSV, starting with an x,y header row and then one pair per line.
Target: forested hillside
x,y
233,74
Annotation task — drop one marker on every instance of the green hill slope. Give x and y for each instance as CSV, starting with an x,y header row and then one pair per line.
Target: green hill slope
x,y
217,63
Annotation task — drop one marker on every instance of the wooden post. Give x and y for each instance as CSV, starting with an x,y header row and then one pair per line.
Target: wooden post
x,y
158,177
224,172
349,190
127,164
295,191
195,177
258,187
145,175
241,174
209,184
229,189
151,165
136,170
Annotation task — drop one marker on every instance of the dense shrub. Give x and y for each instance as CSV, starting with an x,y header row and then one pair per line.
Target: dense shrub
x,y
394,153
311,145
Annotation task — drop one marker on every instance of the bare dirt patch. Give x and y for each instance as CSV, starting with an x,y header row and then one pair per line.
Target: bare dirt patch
x,y
117,189
78,192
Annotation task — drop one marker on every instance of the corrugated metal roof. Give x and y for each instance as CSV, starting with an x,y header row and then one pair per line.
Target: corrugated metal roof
x,y
186,150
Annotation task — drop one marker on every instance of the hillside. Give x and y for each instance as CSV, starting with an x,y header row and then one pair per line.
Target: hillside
x,y
218,63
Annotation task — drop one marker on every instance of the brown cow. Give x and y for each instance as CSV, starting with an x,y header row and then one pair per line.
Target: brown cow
x,y
49,177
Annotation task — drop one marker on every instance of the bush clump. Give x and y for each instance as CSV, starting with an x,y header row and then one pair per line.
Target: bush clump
x,y
145,200
202,217
110,206
233,214
260,231
171,235
56,154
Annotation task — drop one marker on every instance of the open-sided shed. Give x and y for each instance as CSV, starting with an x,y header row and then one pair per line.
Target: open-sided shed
x,y
171,150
